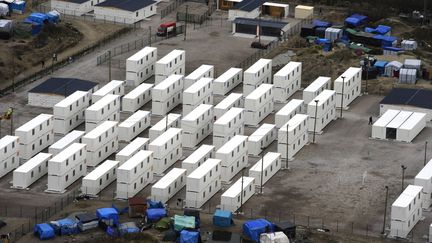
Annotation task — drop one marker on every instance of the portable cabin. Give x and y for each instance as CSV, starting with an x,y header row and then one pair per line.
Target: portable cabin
x,y
227,126
351,80
138,97
200,92
131,149
106,109
35,135
411,127
141,66
379,128
115,87
167,149
66,167
172,63
69,113
323,111
271,164
407,76
287,81
261,138
303,12
392,69
243,9
73,137
73,7
249,27
412,64
170,120
135,174
227,81
203,71
393,126
232,100
125,11
279,10
231,199
99,178
424,179
258,104
134,125
199,156
101,142
197,125
257,74
234,157
287,112
409,45
203,183
297,136
167,94
169,185
315,88
31,171
406,211
9,154
333,34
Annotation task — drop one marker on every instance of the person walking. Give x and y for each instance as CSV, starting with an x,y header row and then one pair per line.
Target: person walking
x,y
43,64
370,120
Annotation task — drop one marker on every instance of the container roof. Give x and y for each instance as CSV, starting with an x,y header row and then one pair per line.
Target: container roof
x,y
169,178
261,131
63,86
33,162
229,100
198,153
201,70
317,83
132,146
6,140
197,112
101,169
262,23
208,165
411,97
128,5
249,5
407,196
235,190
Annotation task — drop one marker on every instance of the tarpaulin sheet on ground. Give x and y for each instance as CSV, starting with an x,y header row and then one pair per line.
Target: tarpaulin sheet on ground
x,y
155,214
163,224
65,226
108,215
189,237
44,231
195,213
128,228
183,222
254,228
155,204
319,23
222,218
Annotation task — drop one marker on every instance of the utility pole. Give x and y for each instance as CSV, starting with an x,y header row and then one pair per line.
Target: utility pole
x,y
403,176
166,123
109,65
186,17
262,172
287,147
259,26
11,121
342,96
241,192
315,120
13,73
385,210
150,35
425,154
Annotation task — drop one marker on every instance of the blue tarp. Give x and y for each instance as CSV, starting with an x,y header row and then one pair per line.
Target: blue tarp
x,y
222,218
128,228
319,23
391,48
44,231
111,231
355,20
385,40
17,6
155,204
37,17
53,17
108,215
380,64
120,210
254,228
155,214
381,30
189,237
35,27
65,226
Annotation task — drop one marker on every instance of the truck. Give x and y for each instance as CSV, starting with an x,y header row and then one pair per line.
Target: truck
x,y
167,29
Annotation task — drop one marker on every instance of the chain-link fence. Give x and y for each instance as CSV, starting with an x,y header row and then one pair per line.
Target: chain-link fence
x,y
35,215
171,7
195,18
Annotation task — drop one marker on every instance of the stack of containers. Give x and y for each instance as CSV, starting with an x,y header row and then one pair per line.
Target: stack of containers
x,y
172,63
170,120
407,76
167,94
258,104
169,185
131,149
204,71
315,88
138,97
69,113
72,137
199,156
134,125
287,81
101,142
227,126
257,74
232,100
234,157
352,89
106,109
167,149
115,87
197,125
228,81
270,163
230,199
333,34
9,159
289,111
31,171
140,66
323,111
296,138
99,178
424,179
35,135
261,138
200,92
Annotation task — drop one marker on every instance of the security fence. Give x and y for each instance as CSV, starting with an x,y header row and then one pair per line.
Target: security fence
x,y
195,18
171,7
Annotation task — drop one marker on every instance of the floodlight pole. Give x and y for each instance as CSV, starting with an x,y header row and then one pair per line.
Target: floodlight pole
x,y
11,121
262,172
425,154
403,176
166,123
186,17
315,120
241,192
287,147
385,210
342,96
109,65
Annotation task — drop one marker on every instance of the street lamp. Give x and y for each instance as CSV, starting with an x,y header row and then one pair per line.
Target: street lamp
x,y
287,147
262,172
403,176
315,120
385,210
425,154
241,192
342,97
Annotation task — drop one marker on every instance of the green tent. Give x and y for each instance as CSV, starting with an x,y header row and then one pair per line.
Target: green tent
x,y
163,224
183,222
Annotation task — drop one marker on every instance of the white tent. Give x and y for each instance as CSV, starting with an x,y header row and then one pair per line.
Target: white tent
x,y
276,237
391,67
4,10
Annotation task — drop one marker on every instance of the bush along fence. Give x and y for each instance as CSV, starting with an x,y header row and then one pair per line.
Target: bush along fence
x,y
134,45
61,62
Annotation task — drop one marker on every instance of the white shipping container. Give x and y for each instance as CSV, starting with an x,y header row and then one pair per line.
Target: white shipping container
x,y
172,63
294,147
138,97
232,100
231,199
98,137
351,80
260,72
58,184
261,138
379,128
254,117
167,94
73,137
67,159
270,166
106,109
26,151
9,159
203,71
234,157
315,88
201,92
297,126
167,149
134,125
140,66
69,113
131,149
204,175
198,157
287,112
35,128
287,81
102,153
227,81
197,199
411,127
170,120
169,185
258,104
115,87
31,171
424,179
323,121
99,178
197,125
326,101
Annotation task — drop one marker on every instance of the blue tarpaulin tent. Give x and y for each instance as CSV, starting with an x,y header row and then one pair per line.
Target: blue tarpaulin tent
x,y
35,27
53,16
155,204
386,40
380,66
319,23
355,20
38,17
254,228
155,214
17,6
380,30
65,226
108,215
120,210
222,218
44,231
189,236
128,228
